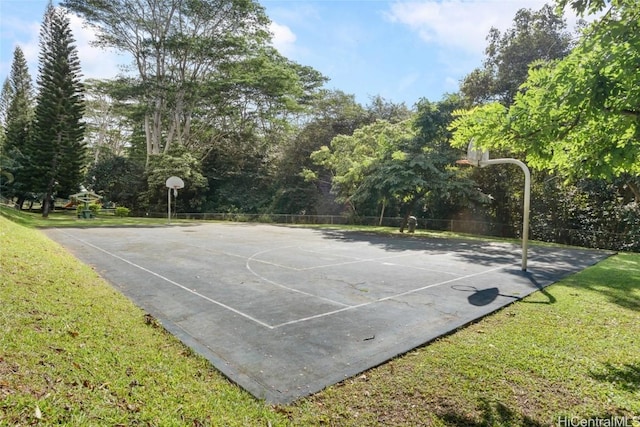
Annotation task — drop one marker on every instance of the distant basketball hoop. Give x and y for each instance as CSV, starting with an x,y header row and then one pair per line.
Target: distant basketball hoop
x,y
173,183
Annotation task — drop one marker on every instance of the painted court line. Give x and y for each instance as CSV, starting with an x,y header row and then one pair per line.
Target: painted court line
x,y
378,259
252,258
174,283
358,260
291,322
258,275
411,291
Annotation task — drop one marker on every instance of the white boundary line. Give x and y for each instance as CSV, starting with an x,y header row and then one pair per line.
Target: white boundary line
x,y
292,322
380,259
252,257
317,316
238,312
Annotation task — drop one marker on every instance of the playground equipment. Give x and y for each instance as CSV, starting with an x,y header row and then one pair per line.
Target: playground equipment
x,y
85,197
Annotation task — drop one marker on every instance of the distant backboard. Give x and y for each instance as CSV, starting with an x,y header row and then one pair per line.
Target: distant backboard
x,y
175,183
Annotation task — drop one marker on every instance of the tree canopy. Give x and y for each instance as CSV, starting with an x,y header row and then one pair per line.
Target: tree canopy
x,y
394,163
580,115
534,35
203,69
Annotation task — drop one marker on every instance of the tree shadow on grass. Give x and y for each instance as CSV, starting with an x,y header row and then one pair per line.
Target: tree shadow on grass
x,y
618,281
625,377
496,414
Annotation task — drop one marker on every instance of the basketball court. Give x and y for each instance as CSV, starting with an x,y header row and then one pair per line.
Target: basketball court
x,y
285,311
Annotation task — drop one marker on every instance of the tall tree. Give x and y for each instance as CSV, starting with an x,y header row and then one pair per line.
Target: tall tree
x,y
200,65
578,116
534,35
57,147
17,126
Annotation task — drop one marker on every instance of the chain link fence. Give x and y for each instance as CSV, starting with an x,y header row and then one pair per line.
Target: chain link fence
x,y
575,237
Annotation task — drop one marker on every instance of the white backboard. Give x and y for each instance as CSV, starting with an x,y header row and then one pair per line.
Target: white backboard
x,y
475,155
175,182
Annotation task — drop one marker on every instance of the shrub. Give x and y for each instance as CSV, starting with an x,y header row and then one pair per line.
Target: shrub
x,y
265,218
94,208
122,211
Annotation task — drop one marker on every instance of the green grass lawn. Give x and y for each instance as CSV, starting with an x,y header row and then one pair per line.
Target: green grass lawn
x,y
73,351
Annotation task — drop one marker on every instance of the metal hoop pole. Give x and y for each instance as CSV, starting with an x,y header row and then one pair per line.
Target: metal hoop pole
x,y
169,206
527,201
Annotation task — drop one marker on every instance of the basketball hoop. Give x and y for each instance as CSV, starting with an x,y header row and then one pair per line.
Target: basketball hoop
x,y
173,183
479,157
475,155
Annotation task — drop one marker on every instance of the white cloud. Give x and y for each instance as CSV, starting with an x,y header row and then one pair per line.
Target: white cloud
x,y
458,23
17,32
95,63
283,38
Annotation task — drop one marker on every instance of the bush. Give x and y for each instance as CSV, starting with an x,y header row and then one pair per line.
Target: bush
x,y
94,208
265,218
122,211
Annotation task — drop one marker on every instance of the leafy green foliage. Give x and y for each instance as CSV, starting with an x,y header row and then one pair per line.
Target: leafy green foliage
x,y
395,163
579,115
121,211
534,36
117,179
589,213
183,164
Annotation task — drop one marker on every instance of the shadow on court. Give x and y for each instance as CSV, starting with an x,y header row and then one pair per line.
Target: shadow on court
x,y
285,312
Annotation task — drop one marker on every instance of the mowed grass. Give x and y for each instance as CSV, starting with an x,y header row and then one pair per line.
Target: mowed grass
x,y
73,351
61,219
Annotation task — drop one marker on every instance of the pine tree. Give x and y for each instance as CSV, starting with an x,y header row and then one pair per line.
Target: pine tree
x,y
18,114
5,99
58,150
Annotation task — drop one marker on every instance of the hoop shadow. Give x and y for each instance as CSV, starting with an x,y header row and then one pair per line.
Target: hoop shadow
x,y
540,288
481,297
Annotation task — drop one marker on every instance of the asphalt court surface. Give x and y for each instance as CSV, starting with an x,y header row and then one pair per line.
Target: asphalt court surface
x,y
285,311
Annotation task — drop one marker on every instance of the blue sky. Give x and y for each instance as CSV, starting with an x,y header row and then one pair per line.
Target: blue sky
x,y
403,50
